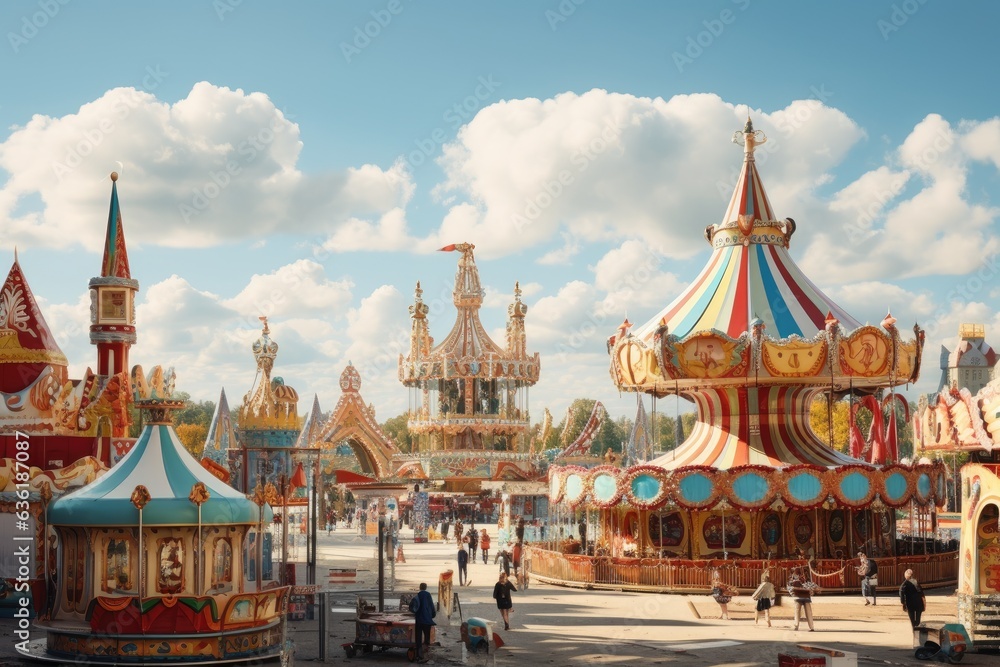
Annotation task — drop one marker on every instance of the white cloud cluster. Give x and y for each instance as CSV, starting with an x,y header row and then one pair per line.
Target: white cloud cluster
x,y
216,166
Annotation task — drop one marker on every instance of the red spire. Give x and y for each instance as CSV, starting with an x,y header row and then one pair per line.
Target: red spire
x,y
115,262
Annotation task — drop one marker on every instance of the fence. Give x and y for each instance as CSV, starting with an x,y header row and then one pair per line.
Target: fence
x,y
675,575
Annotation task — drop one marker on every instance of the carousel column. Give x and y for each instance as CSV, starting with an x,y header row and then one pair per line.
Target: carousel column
x,y
199,494
140,496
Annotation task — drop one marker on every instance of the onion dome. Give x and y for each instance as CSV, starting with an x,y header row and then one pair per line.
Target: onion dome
x,y
160,464
27,346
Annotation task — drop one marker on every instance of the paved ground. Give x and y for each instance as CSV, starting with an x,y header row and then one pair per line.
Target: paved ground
x,y
563,626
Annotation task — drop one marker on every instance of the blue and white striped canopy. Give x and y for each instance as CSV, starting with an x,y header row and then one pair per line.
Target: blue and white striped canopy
x,y
159,462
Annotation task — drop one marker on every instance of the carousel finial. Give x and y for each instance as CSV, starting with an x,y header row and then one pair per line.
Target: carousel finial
x,y
114,176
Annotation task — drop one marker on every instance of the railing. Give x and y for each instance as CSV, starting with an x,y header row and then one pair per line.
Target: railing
x,y
675,575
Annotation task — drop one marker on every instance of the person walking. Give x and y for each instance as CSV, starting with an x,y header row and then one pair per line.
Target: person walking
x,y
484,545
722,594
911,595
515,557
445,526
501,593
473,542
801,592
763,596
423,610
868,569
463,565
504,557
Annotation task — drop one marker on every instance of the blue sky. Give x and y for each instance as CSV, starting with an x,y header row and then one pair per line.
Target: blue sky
x,y
360,136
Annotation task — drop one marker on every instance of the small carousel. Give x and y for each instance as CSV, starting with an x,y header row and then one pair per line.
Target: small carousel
x,y
158,560
752,343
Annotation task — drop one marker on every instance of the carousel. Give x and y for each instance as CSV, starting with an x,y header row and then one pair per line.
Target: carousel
x,y
468,396
752,343
158,560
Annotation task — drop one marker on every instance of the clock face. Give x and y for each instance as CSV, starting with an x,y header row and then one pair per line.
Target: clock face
x,y
114,305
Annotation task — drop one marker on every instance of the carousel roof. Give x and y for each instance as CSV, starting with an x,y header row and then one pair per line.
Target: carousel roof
x,y
159,462
752,313
27,345
750,275
467,350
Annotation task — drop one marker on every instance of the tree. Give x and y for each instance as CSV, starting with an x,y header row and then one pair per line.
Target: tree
x,y
397,429
192,436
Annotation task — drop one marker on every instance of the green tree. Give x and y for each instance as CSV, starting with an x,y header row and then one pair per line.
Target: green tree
x,y
397,429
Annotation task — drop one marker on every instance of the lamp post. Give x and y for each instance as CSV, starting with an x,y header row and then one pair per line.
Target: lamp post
x,y
381,553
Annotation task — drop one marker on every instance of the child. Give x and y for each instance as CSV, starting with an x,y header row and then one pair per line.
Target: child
x,y
763,596
722,594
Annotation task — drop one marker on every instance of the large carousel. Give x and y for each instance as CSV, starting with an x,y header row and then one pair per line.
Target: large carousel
x,y
752,343
159,561
468,405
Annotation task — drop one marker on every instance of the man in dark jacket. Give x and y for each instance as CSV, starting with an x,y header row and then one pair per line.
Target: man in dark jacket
x,y
463,564
423,614
912,598
473,536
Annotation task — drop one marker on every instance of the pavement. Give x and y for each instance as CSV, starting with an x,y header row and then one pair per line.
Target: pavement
x,y
558,626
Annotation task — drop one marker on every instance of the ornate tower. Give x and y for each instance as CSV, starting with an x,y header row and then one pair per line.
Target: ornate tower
x,y
112,297
267,426
468,393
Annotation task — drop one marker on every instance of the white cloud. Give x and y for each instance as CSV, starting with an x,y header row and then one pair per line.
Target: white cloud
x,y
631,276
298,288
602,166
901,233
215,166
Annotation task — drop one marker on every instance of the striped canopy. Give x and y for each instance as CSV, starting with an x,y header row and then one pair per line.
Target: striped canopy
x,y
750,274
741,283
159,462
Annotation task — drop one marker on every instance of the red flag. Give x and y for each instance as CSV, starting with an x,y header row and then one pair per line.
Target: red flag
x,y
447,248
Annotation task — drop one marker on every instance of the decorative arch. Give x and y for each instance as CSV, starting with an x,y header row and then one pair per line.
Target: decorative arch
x,y
353,423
